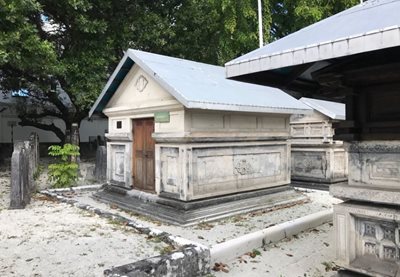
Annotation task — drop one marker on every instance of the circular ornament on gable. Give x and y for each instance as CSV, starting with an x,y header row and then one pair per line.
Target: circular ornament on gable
x,y
141,83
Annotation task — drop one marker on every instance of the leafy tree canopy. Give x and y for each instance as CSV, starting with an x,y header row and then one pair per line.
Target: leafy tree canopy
x,y
63,51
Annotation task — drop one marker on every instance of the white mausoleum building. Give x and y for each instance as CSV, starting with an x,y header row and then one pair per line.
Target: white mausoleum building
x,y
318,159
181,130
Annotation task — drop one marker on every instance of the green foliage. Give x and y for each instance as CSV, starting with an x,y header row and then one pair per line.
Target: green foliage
x,y
289,16
75,44
216,31
64,173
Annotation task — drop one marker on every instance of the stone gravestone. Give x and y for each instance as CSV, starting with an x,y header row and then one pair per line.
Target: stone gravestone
x,y
20,191
34,141
101,164
32,154
75,140
30,164
34,138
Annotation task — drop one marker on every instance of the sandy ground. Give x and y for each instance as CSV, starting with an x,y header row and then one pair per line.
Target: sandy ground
x,y
54,239
221,230
308,254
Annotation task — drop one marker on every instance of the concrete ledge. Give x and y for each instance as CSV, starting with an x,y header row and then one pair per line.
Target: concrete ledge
x,y
186,214
231,249
78,188
364,193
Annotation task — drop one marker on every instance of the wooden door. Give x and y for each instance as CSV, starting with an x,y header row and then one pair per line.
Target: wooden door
x,y
143,155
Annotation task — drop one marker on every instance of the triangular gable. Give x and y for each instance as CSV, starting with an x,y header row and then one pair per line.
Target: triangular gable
x,y
139,90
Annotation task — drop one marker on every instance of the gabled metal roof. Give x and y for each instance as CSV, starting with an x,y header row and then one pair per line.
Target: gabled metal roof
x,y
331,109
200,86
372,25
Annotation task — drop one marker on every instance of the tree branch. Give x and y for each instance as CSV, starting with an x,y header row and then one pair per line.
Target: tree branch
x,y
43,114
47,127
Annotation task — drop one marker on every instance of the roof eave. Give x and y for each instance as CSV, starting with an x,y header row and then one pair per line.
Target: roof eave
x,y
170,89
108,84
370,41
246,108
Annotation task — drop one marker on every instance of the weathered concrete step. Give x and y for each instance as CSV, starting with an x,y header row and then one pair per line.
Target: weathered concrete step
x,y
204,210
313,185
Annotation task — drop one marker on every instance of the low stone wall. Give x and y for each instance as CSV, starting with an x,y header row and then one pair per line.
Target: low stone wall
x,y
190,261
192,258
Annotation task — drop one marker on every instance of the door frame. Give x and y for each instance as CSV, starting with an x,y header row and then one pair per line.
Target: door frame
x,y
133,156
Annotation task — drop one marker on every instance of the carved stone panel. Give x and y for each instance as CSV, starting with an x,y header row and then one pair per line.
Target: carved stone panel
x,y
375,163
319,163
309,164
298,131
340,164
377,238
233,169
118,163
170,169
195,171
141,83
244,167
367,238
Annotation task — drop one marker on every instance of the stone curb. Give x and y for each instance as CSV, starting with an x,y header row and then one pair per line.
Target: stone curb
x,y
78,188
189,261
192,255
234,248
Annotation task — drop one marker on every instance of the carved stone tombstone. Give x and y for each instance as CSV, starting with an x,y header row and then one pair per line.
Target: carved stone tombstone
x,y
30,164
100,170
34,138
20,191
75,140
75,134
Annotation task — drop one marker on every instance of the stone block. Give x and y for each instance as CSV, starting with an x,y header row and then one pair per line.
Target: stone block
x,y
196,171
100,172
319,163
188,262
30,164
34,139
20,190
367,238
375,164
119,159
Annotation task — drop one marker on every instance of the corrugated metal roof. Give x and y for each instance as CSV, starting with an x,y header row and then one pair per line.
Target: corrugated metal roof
x,y
331,109
369,26
203,86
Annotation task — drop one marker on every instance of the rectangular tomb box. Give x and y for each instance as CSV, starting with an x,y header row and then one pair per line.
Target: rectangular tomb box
x,y
316,156
179,129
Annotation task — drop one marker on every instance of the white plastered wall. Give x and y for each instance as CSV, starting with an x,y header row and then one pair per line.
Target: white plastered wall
x,y
138,96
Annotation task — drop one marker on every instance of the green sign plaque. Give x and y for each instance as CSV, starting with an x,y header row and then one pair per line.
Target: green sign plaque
x,y
161,117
